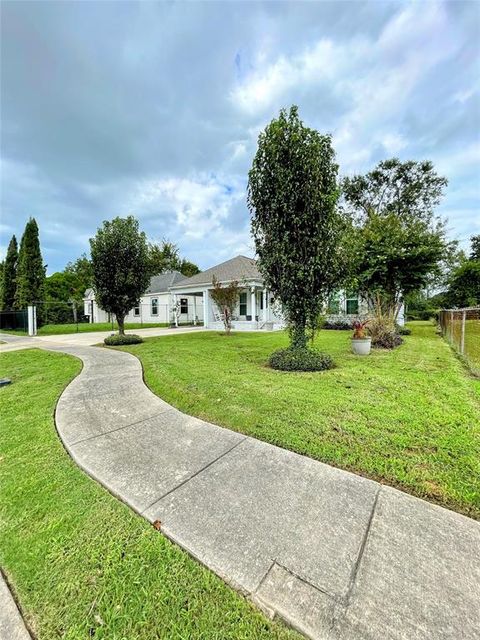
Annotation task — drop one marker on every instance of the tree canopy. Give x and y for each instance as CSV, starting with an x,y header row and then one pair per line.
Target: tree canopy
x,y
401,243
292,197
225,297
121,266
9,276
166,257
30,269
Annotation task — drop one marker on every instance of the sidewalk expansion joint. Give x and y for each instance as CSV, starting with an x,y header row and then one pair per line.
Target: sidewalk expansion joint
x,y
194,475
358,561
335,597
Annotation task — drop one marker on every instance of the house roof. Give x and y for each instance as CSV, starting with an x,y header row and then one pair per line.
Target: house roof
x,y
162,282
158,284
239,268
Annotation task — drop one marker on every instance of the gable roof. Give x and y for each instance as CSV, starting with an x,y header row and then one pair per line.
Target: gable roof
x,y
158,284
239,268
162,282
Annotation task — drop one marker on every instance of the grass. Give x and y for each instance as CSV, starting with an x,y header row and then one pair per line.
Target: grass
x,y
408,418
82,564
472,344
85,327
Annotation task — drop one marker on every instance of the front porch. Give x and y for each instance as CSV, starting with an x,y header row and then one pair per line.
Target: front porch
x,y
255,310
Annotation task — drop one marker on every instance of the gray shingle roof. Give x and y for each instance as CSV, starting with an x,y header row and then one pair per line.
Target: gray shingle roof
x,y
162,282
239,268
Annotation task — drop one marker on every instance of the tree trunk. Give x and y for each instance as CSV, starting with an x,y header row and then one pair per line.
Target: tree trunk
x,y
121,325
298,336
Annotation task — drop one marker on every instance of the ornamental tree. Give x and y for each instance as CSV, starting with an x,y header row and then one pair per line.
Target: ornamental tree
x,y
30,270
225,297
401,242
292,197
121,267
9,276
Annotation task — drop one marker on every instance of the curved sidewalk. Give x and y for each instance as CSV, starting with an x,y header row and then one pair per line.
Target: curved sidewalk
x,y
338,556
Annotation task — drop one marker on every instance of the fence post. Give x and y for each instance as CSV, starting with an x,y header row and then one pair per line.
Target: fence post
x,y
462,335
32,320
451,327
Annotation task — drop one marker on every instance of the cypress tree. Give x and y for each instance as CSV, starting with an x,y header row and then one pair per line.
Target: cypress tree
x,y
30,270
9,279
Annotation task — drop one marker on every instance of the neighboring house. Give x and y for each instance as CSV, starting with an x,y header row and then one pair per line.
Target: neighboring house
x,y
174,299
155,306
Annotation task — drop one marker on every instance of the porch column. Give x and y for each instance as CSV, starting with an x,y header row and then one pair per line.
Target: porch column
x,y
205,309
175,308
194,310
253,303
264,301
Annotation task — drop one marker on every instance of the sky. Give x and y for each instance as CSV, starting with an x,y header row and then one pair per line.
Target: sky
x,y
154,109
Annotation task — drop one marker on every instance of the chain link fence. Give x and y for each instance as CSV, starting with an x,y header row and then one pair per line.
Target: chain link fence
x,y
461,328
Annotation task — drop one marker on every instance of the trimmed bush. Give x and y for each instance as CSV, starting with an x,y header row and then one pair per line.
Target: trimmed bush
x,y
117,340
300,360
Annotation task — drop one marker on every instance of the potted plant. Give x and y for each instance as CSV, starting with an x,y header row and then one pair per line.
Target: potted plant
x,y
361,343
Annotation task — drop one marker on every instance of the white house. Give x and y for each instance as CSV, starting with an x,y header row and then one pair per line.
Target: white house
x,y
255,308
173,299
156,305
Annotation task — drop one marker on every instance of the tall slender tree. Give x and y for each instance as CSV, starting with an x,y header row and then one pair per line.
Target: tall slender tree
x,y
30,270
9,278
292,196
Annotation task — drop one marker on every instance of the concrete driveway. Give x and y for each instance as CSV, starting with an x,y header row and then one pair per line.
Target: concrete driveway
x,y
15,342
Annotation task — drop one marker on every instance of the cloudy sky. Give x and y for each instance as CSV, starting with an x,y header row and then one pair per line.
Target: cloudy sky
x,y
154,109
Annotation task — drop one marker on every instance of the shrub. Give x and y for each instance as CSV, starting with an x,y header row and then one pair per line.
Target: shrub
x,y
403,331
306,359
384,332
116,340
338,324
387,340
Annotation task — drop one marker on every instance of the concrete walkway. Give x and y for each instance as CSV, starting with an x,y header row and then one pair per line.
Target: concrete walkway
x,y
15,342
12,626
337,556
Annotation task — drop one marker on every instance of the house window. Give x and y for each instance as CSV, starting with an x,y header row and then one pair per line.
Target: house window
x,y
352,303
136,310
154,306
333,304
184,305
243,304
261,301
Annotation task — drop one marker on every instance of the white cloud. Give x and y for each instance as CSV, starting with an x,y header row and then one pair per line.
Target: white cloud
x,y
200,204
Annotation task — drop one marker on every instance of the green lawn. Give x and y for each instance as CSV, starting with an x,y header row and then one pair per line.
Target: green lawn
x,y
81,563
409,418
85,327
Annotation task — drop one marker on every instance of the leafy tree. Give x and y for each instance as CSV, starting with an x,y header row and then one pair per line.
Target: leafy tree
x,y
475,247
166,257
401,242
121,266
188,269
61,298
9,276
30,270
225,298
82,271
292,196
464,290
